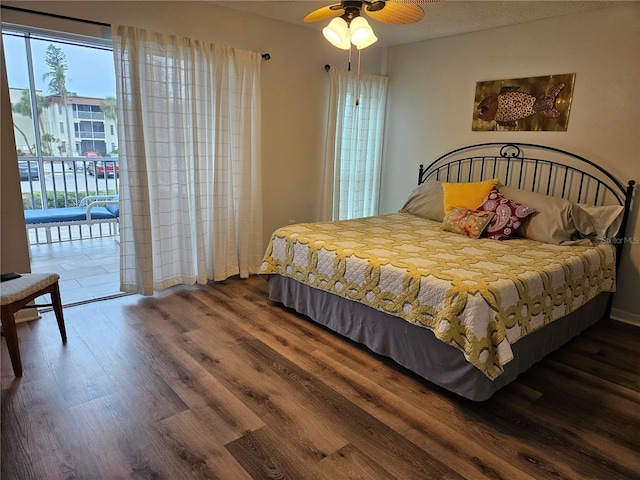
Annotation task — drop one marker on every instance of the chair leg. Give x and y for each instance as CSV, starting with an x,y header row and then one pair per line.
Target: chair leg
x,y
11,335
56,302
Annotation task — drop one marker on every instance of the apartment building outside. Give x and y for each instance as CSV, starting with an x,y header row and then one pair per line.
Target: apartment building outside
x,y
83,125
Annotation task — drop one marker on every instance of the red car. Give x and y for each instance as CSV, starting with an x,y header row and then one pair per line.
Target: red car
x,y
100,167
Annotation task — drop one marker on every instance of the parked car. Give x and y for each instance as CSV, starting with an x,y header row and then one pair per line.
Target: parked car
x,y
100,167
28,170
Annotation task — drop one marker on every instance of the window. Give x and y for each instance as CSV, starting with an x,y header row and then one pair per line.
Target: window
x,y
354,145
55,72
66,91
111,129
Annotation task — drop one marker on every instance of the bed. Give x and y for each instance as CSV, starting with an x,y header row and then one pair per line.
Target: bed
x,y
466,296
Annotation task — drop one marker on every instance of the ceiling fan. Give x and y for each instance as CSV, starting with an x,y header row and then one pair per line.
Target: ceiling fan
x,y
350,27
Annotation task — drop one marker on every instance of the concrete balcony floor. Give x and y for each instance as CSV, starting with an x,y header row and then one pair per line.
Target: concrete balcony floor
x,y
89,268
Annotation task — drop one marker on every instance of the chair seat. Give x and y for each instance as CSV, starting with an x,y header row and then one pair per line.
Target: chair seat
x,y
16,294
29,283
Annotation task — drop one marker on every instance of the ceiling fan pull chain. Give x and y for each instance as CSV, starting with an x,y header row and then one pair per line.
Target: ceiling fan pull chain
x,y
358,80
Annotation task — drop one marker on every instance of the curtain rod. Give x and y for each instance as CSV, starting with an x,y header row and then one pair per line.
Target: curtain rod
x,y
54,15
265,56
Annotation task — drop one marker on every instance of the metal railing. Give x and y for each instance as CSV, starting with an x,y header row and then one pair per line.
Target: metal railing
x,y
89,134
89,115
61,182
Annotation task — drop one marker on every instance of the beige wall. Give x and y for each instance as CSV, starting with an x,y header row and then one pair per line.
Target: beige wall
x,y
294,83
431,95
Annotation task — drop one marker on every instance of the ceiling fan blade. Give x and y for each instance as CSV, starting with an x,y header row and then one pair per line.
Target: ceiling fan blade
x,y
398,13
324,13
413,2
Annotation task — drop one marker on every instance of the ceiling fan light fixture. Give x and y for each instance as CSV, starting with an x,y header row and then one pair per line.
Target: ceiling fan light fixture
x,y
373,39
337,33
351,28
361,32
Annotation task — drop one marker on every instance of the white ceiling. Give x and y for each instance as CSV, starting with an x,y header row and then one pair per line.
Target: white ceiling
x,y
441,19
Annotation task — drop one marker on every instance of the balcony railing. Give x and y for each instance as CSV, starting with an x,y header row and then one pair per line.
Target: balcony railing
x,y
59,182
87,134
89,115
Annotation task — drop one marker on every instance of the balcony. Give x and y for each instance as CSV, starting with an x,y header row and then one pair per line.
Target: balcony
x,y
89,115
89,268
87,257
60,182
82,134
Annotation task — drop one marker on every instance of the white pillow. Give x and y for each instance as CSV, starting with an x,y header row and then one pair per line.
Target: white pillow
x,y
606,219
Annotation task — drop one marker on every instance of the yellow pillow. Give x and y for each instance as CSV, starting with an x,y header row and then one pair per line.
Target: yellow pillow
x,y
466,195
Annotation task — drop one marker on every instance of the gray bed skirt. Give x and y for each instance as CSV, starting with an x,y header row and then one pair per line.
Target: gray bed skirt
x,y
417,349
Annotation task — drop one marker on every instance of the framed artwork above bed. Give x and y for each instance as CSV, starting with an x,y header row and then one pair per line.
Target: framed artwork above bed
x,y
524,104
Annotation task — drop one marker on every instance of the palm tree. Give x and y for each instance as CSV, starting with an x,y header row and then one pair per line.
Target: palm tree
x,y
109,107
26,140
56,60
23,107
47,149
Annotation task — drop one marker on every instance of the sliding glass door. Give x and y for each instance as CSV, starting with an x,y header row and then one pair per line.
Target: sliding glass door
x,y
62,92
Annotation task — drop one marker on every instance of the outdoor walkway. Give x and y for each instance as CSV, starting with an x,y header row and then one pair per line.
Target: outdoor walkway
x,y
89,268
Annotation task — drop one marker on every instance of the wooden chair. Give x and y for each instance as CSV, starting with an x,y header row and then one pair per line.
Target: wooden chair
x,y
15,295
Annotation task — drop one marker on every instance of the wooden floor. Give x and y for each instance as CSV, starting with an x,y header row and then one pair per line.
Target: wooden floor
x,y
216,382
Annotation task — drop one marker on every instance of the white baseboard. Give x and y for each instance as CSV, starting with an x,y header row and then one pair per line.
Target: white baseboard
x,y
626,317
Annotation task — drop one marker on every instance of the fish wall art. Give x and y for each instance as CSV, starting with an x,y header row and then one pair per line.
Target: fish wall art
x,y
524,104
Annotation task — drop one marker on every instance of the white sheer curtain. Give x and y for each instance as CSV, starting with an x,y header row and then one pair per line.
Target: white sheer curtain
x,y
189,147
351,179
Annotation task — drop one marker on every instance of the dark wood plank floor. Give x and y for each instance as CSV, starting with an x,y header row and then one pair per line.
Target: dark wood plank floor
x,y
216,382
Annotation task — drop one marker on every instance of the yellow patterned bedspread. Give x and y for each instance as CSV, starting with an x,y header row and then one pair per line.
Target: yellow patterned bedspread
x,y
479,295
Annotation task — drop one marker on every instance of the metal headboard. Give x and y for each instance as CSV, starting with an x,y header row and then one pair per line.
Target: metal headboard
x,y
537,168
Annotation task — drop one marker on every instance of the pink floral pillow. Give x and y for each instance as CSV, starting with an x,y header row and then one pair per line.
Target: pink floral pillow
x,y
509,215
471,223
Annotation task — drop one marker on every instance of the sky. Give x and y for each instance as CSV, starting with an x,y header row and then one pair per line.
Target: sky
x,y
90,73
